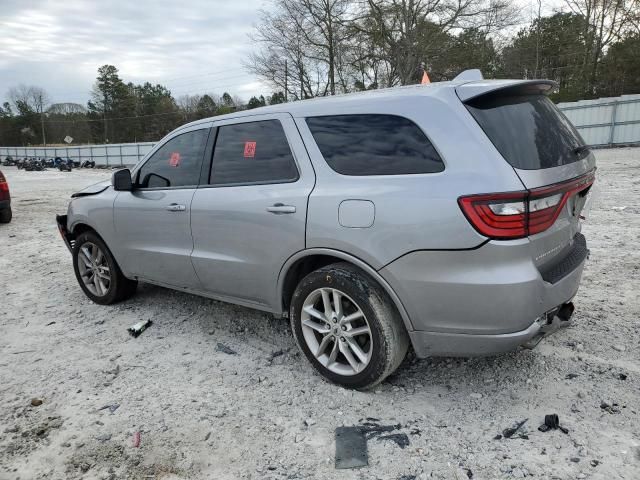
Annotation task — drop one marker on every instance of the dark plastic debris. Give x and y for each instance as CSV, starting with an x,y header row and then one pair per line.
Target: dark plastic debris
x,y
351,448
552,422
510,432
400,439
221,347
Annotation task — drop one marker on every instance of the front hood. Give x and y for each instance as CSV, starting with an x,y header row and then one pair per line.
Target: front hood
x,y
93,189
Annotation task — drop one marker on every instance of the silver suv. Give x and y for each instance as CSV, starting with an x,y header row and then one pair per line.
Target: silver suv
x,y
445,217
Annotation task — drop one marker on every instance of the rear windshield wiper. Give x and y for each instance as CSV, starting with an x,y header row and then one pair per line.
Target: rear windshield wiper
x,y
580,150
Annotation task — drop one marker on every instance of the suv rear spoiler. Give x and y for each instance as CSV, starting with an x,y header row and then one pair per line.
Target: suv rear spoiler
x,y
471,90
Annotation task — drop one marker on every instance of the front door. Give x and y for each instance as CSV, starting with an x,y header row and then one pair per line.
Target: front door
x,y
251,216
153,222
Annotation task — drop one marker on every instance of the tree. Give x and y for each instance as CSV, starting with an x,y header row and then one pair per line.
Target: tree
x,y
206,107
255,102
32,101
276,98
114,103
620,69
604,22
551,47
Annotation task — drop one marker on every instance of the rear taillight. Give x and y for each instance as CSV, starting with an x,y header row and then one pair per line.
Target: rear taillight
x,y
519,214
4,186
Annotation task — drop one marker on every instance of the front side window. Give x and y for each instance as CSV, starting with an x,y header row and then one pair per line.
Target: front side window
x,y
177,163
252,153
374,145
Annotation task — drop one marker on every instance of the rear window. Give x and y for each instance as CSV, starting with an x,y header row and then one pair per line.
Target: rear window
x,y
374,145
528,130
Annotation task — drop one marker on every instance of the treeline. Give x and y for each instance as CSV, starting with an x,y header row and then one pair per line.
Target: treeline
x,y
118,112
309,48
323,47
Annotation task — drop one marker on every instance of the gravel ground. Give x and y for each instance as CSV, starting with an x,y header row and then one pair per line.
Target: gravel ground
x,y
262,413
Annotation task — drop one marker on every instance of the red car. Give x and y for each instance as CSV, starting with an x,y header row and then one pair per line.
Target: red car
x,y
5,200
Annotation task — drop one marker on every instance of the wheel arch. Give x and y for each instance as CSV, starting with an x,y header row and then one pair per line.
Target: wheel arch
x,y
305,261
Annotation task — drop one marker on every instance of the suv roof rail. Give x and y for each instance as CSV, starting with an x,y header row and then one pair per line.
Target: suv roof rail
x,y
469,75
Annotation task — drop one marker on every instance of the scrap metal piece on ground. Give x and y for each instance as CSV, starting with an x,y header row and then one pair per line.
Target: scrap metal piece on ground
x,y
138,328
351,448
221,347
510,432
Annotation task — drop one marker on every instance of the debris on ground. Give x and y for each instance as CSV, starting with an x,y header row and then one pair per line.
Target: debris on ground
x,y
138,328
112,408
136,439
351,448
36,402
609,406
552,422
221,347
510,432
400,439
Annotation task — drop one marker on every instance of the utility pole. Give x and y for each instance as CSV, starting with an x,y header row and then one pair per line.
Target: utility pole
x,y
286,78
104,117
40,103
301,82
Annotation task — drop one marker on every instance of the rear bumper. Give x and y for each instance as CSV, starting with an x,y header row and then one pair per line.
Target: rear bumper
x,y
479,302
5,204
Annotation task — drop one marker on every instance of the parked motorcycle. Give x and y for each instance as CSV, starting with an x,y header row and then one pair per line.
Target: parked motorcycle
x,y
64,165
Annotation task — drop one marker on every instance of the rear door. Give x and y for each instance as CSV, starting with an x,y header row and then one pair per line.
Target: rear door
x,y
250,217
548,155
153,222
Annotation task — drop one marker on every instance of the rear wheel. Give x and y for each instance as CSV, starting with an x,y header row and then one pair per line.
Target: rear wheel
x,y
97,271
347,326
5,215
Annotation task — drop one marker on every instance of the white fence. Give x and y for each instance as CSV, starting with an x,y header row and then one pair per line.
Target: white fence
x,y
602,122
114,155
606,121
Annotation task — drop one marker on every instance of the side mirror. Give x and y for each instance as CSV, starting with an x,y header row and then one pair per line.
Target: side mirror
x,y
121,180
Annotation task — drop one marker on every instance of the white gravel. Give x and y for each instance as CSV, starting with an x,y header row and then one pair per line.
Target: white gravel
x,y
263,413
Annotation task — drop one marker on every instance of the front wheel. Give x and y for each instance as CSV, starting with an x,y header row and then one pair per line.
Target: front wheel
x,y
97,271
347,326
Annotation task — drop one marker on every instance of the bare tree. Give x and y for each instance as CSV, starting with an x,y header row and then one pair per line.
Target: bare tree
x,y
407,32
605,21
31,98
303,46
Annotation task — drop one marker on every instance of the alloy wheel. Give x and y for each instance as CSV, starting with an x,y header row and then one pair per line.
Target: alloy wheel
x,y
336,331
94,269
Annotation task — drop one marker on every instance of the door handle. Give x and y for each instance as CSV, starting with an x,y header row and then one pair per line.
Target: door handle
x,y
280,208
174,207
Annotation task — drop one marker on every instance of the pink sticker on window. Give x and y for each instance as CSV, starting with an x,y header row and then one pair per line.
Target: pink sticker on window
x,y
174,161
249,149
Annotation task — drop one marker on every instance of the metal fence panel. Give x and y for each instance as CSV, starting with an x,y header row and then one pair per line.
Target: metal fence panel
x,y
606,121
113,155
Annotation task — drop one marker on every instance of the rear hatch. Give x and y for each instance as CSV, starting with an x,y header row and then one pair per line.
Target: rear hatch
x,y
548,155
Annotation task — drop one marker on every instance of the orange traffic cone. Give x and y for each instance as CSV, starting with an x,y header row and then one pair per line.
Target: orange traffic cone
x,y
425,78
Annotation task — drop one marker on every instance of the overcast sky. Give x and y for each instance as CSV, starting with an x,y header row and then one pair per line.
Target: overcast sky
x,y
191,46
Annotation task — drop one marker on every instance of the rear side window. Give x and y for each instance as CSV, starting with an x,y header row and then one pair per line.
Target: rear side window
x,y
255,152
177,163
374,145
528,130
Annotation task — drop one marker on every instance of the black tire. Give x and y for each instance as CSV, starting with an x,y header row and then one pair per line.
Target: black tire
x,y
120,287
5,215
390,340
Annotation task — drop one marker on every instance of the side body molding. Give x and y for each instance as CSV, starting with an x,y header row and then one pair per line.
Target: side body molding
x,y
347,258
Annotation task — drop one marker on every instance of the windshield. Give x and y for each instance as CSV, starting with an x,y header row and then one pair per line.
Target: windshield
x,y
528,130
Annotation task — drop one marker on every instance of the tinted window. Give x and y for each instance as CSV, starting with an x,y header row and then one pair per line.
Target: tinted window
x,y
374,145
256,152
177,163
528,130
